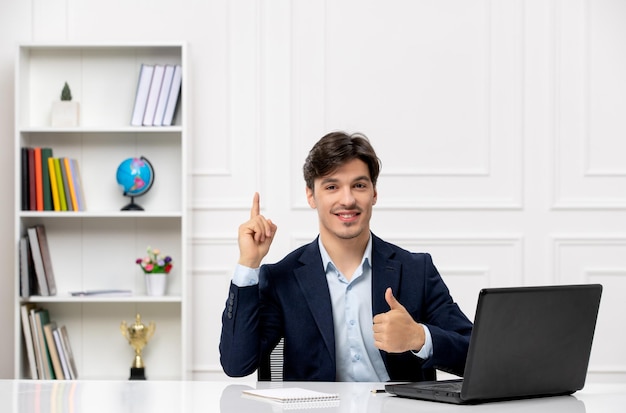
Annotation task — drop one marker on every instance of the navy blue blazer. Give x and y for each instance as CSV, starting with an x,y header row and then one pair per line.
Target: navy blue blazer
x,y
292,300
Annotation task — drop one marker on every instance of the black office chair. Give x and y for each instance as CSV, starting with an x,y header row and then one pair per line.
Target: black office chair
x,y
271,368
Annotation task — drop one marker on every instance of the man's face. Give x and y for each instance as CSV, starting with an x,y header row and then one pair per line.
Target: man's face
x,y
344,201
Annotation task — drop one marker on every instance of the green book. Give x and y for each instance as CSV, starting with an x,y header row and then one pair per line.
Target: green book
x,y
42,318
45,179
62,199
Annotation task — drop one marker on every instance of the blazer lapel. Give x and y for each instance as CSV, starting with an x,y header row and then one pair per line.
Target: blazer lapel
x,y
311,277
385,273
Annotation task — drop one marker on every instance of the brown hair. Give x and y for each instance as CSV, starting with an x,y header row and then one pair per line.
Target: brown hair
x,y
334,150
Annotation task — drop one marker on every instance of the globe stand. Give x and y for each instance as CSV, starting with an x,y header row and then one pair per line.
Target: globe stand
x,y
135,176
132,206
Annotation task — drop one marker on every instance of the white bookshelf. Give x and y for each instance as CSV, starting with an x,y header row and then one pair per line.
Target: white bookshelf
x,y
97,248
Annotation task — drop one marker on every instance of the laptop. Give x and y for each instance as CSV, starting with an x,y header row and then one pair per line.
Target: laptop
x,y
526,342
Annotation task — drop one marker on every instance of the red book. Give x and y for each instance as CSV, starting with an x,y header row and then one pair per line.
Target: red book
x,y
32,192
38,179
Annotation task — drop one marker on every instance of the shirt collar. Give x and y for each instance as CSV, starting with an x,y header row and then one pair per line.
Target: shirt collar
x,y
367,255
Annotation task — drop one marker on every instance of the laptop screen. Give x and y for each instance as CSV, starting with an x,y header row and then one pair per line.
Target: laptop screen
x,y
530,341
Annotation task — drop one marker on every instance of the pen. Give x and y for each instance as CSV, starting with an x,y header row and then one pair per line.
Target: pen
x,y
378,391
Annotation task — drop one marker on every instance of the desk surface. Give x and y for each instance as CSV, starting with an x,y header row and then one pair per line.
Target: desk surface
x,y
22,396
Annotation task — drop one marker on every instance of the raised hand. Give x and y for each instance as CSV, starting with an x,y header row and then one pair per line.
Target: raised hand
x,y
255,236
395,331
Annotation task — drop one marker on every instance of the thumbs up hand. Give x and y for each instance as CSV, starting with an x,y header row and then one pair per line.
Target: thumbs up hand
x,y
395,331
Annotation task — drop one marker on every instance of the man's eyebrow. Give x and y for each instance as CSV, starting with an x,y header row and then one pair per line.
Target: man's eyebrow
x,y
329,179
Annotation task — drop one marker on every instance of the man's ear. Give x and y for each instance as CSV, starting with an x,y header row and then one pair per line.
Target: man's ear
x,y
375,199
310,197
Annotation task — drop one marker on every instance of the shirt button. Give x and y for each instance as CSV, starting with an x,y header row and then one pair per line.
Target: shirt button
x,y
352,322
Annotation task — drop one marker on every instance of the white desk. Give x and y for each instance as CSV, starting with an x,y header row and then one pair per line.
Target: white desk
x,y
27,396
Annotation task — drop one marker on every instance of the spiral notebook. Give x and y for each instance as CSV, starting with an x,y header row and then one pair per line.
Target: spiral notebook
x,y
292,396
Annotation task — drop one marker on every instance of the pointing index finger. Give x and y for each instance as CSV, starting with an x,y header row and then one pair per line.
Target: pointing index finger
x,y
256,208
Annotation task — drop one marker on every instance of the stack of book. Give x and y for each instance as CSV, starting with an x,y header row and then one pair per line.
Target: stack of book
x,y
157,97
36,272
50,184
48,346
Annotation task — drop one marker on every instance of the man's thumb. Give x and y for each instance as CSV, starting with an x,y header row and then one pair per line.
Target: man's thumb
x,y
391,300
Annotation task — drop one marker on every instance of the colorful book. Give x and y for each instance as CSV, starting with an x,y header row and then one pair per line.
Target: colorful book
x,y
70,183
38,180
42,317
78,185
62,198
53,185
66,185
46,153
52,349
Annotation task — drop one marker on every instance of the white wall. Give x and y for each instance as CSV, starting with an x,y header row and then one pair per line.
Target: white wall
x,y
499,124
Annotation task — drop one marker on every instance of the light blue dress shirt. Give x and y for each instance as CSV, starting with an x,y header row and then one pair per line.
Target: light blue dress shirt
x,y
358,359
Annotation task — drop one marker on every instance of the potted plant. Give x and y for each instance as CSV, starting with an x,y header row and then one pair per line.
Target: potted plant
x,y
65,112
155,267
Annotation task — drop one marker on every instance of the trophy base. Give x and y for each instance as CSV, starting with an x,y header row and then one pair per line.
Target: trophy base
x,y
137,373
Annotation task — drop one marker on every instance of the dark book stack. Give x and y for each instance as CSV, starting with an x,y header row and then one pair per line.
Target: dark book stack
x,y
36,271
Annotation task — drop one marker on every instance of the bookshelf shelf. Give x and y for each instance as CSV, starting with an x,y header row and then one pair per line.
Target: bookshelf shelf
x,y
67,298
98,215
96,248
104,129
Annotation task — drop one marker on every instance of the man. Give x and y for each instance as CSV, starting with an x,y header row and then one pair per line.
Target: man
x,y
350,306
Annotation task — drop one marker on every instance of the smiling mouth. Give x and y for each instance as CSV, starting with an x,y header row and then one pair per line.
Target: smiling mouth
x,y
348,216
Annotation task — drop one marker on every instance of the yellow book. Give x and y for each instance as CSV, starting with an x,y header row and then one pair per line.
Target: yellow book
x,y
70,184
53,185
57,170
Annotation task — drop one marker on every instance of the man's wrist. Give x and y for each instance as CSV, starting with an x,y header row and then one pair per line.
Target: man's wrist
x,y
250,263
427,349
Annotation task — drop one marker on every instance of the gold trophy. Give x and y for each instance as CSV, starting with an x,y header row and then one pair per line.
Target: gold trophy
x,y
138,336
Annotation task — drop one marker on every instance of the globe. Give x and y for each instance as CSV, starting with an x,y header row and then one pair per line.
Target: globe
x,y
135,176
